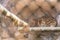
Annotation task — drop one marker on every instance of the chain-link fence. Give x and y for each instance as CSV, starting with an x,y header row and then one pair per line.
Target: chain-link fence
x,y
28,10
31,11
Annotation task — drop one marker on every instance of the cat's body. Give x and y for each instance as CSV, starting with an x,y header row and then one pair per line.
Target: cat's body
x,y
47,21
44,21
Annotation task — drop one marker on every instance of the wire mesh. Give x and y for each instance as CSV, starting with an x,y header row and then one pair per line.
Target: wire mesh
x,y
29,10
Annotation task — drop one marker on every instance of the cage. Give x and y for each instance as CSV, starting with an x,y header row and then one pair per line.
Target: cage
x,y
29,20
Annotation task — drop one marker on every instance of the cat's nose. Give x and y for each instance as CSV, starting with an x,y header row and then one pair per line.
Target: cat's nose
x,y
26,35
